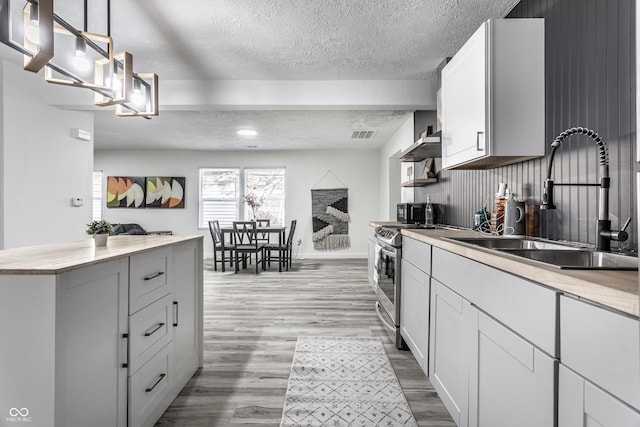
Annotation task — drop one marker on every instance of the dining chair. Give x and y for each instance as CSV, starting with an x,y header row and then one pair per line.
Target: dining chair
x,y
245,243
216,237
284,250
261,223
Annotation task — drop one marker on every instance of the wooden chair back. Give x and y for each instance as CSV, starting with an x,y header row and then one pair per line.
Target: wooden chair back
x,y
244,233
216,234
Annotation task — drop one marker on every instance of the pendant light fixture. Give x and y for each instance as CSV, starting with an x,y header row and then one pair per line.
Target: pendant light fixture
x,y
112,79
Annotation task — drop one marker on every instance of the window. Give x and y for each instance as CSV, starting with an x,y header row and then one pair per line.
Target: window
x,y
219,196
97,195
267,184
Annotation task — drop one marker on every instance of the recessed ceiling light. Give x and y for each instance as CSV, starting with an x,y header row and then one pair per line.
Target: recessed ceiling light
x,y
247,132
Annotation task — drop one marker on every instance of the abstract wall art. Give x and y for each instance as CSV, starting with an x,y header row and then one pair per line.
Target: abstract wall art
x,y
165,192
125,191
329,208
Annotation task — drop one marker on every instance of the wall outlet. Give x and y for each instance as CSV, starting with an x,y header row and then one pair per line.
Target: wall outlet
x,y
299,242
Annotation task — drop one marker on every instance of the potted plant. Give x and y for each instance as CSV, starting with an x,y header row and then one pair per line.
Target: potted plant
x,y
100,231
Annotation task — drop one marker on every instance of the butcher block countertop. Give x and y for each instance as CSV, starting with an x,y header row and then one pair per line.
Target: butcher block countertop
x,y
611,288
59,258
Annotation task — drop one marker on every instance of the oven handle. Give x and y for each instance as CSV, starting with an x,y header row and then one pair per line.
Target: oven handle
x,y
387,252
382,319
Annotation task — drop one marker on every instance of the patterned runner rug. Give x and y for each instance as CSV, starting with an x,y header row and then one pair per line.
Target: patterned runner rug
x,y
340,382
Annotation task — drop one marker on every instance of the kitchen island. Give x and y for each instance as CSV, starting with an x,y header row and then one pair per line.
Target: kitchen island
x,y
100,336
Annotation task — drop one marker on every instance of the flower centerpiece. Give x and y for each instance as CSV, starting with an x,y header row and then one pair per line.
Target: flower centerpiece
x,y
254,203
100,231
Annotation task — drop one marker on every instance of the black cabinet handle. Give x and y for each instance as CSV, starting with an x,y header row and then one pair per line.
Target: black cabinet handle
x,y
126,364
156,383
175,313
478,141
154,330
153,276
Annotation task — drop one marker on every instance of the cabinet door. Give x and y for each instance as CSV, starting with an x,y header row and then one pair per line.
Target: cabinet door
x,y
449,348
91,382
511,382
582,404
187,310
414,312
464,102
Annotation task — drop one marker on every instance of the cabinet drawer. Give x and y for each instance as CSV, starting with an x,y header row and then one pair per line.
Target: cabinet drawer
x,y
150,329
602,346
528,308
417,253
148,278
371,233
148,388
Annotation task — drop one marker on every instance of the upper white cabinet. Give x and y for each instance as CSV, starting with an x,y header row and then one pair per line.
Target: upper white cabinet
x,y
493,96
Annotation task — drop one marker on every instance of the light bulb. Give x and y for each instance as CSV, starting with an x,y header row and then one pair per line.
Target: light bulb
x,y
80,60
32,32
138,97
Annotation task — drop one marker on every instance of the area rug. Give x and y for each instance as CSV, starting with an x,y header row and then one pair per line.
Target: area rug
x,y
338,382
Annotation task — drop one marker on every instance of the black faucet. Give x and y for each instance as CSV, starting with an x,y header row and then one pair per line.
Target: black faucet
x,y
604,234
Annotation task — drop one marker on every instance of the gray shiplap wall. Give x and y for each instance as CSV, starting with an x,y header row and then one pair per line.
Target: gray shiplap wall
x,y
590,82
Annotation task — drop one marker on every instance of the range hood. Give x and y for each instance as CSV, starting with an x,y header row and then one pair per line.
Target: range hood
x,y
426,147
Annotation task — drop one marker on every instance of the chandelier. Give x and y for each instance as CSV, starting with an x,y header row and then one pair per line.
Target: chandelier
x,y
87,60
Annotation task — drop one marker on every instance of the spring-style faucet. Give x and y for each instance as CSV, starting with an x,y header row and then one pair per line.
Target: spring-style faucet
x,y
604,234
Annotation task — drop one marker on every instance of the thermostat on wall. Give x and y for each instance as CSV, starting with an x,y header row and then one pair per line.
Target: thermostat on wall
x,y
77,201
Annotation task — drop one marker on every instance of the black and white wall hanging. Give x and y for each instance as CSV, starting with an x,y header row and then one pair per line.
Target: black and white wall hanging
x,y
330,212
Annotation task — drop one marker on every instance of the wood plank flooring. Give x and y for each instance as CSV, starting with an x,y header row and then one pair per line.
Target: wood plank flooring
x,y
251,324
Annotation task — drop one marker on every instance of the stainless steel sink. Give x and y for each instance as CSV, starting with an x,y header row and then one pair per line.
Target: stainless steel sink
x,y
555,254
500,243
578,259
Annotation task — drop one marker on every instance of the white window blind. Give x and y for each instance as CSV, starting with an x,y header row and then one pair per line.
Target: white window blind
x,y
268,185
219,196
97,195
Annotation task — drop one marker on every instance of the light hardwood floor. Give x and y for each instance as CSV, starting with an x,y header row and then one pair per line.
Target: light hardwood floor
x,y
251,323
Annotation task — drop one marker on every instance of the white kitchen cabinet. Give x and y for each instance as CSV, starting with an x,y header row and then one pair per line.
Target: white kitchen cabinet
x,y
511,382
414,312
187,311
594,343
583,404
493,96
449,347
91,371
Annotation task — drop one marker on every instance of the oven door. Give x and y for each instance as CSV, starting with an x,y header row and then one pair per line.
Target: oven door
x,y
387,282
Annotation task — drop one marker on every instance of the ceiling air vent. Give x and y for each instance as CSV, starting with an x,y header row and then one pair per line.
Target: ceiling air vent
x,y
362,134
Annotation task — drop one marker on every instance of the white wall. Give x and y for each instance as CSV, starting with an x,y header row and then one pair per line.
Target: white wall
x,y
353,169
43,167
390,170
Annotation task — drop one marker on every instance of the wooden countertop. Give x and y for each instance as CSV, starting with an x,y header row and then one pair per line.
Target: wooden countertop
x,y
58,258
611,288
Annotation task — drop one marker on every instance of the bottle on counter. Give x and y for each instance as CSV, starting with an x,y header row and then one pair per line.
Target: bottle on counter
x,y
428,213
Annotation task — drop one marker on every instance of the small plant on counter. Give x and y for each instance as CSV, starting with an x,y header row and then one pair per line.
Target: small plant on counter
x,y
99,227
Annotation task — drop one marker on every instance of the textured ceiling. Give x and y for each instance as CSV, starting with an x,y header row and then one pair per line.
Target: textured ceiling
x,y
276,40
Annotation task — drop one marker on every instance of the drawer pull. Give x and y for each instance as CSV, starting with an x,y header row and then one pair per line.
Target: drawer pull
x,y
126,364
175,313
153,276
148,389
154,330
478,141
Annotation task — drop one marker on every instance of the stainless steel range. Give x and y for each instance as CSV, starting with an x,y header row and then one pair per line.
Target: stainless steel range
x,y
388,256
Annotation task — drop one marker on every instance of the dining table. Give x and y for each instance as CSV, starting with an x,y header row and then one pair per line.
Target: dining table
x,y
227,237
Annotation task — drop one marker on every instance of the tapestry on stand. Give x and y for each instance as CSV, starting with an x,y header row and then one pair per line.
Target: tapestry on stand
x,y
329,208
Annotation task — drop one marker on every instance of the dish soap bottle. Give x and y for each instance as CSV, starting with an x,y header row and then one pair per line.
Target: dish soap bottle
x,y
428,213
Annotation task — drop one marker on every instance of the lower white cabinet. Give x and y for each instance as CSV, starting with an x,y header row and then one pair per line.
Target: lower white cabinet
x,y
511,382
414,312
187,311
449,349
91,374
583,404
